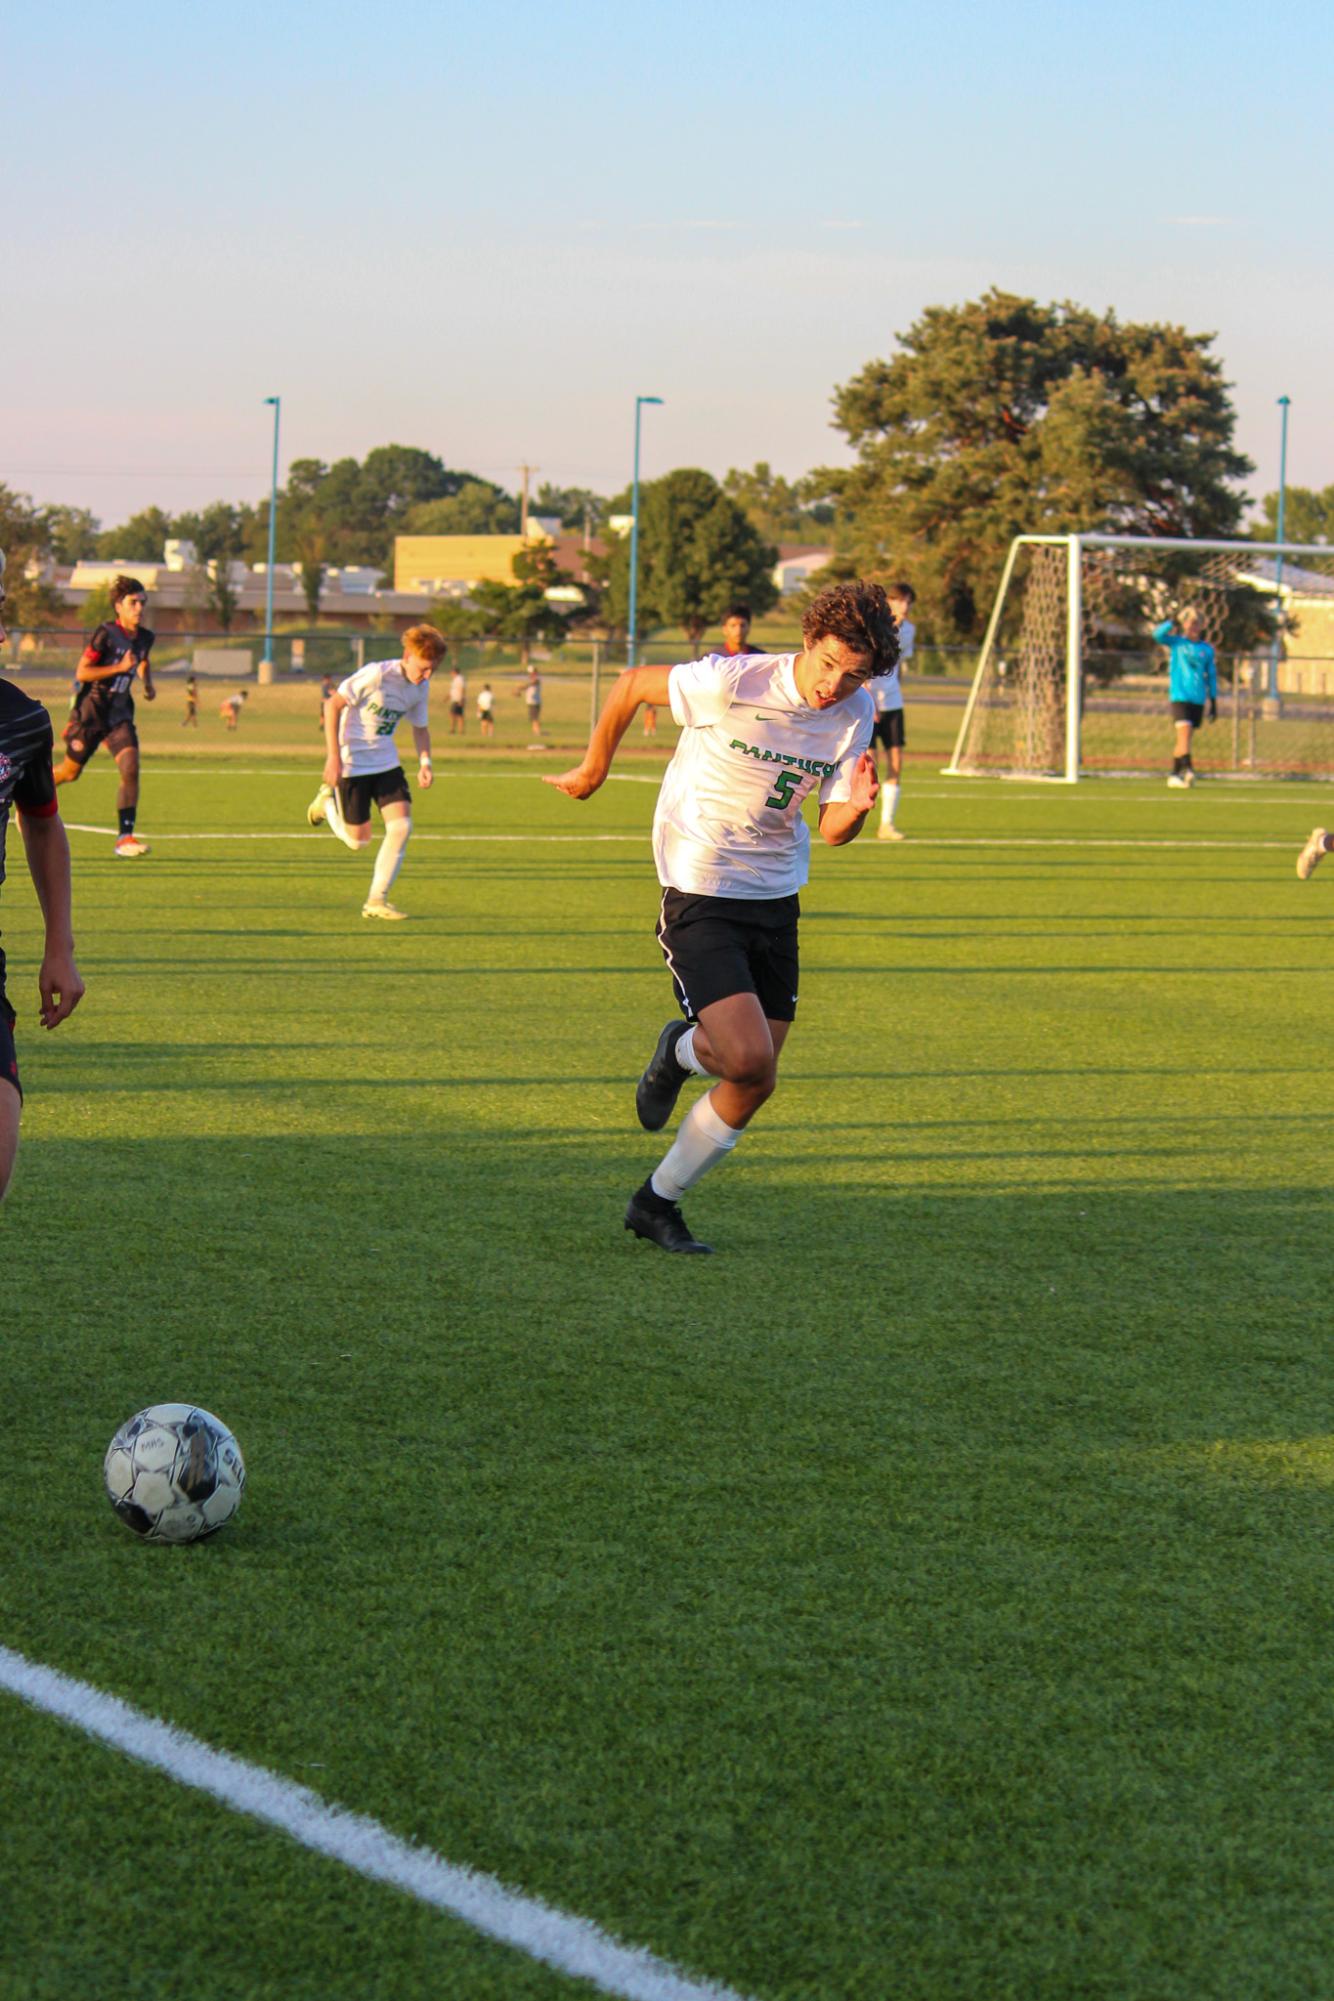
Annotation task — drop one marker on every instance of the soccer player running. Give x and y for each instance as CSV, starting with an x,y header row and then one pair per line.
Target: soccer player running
x,y
115,655
362,765
1193,682
27,782
887,694
759,733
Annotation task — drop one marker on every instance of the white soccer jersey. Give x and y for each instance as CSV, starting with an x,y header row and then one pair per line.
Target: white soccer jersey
x,y
378,698
887,689
729,820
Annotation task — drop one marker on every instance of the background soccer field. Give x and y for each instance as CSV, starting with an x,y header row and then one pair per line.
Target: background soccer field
x,y
926,1595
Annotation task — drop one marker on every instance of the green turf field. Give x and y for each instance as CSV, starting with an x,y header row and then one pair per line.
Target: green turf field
x,y
927,1596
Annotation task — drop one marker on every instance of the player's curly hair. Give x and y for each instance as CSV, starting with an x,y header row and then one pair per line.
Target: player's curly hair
x,y
860,616
126,587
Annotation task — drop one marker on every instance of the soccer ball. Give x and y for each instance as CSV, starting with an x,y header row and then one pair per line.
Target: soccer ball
x,y
174,1473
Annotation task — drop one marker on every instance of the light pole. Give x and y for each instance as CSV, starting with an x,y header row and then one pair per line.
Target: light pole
x,y
277,403
640,401
1276,644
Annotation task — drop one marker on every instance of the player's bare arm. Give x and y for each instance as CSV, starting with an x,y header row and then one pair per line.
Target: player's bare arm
x,y
633,687
421,739
333,756
842,820
88,668
47,847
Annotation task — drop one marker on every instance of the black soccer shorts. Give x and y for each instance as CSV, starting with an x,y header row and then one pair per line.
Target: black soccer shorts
x,y
889,729
717,946
83,733
9,1062
355,794
1188,712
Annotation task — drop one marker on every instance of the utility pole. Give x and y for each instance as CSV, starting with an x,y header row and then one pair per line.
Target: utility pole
x,y
632,623
277,403
523,505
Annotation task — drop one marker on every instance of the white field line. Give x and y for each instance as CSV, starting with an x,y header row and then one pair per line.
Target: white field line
x,y
641,840
572,1945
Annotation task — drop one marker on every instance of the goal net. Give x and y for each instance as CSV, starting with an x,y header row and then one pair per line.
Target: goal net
x,y
1071,681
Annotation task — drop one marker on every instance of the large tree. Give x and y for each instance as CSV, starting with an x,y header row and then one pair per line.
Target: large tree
x,y
577,507
478,508
1308,515
698,552
74,532
138,540
1004,417
782,510
220,533
522,611
25,537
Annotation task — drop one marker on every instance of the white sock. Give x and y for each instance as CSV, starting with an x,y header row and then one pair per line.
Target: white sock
x,y
686,1057
702,1140
333,813
889,803
390,858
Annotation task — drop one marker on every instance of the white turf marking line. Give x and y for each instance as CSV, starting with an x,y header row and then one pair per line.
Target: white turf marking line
x,y
318,834
572,1945
547,840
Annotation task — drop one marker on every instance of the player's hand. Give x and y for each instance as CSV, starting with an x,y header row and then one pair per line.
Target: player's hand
x,y
576,784
333,770
865,785
425,775
1213,711
150,692
61,988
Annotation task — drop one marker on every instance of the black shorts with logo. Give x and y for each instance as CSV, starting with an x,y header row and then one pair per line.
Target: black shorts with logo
x,y
889,729
9,1064
86,729
1188,712
355,794
717,946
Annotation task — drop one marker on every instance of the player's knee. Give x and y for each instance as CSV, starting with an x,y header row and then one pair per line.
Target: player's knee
x,y
754,1066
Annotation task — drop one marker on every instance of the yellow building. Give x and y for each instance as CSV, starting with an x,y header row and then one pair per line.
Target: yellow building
x,y
437,562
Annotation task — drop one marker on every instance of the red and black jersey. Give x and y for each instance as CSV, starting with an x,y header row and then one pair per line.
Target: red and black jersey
x,y
25,760
112,700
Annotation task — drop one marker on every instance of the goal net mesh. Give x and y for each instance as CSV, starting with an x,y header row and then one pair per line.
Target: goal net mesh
x,y
1267,611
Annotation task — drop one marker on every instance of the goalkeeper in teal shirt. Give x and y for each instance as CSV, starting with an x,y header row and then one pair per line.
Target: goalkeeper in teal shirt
x,y
1194,681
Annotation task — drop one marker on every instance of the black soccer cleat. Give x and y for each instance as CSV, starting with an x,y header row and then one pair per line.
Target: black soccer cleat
x,y
652,1216
660,1086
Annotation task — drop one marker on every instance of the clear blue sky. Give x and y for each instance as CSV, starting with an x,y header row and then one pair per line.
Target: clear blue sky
x,y
483,229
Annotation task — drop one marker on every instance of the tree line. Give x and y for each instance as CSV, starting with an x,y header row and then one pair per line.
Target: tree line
x,y
994,418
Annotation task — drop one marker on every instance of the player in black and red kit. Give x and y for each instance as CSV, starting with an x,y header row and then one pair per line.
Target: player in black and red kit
x,y
104,712
27,781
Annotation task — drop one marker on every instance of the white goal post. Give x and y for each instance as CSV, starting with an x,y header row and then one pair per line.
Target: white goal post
x,y
1071,680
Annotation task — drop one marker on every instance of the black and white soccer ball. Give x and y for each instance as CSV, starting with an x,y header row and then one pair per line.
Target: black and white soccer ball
x,y
174,1473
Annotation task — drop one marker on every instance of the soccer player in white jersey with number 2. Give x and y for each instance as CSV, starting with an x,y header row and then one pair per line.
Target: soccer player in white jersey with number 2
x,y
759,733
361,762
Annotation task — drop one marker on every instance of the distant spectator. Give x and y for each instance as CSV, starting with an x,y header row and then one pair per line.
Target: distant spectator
x,y
736,632
458,694
486,710
532,695
231,706
190,720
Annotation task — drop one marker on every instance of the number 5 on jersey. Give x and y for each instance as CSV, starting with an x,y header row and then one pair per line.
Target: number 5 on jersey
x,y
785,786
